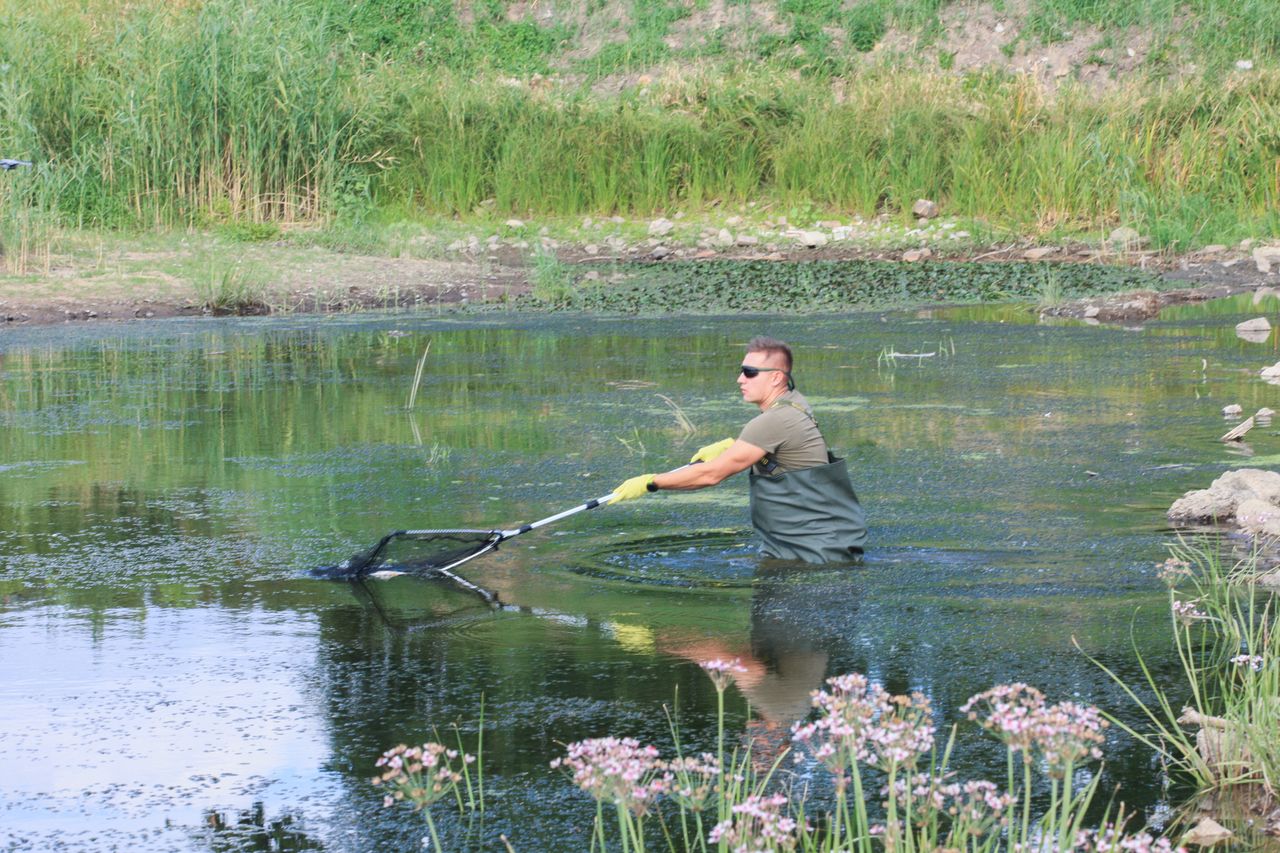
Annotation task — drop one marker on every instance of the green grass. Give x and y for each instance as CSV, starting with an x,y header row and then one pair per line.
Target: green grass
x,y
245,115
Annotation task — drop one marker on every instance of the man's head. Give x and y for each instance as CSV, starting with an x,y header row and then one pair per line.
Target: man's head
x,y
769,362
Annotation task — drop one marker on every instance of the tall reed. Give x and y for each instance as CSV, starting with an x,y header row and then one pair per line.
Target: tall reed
x,y
148,114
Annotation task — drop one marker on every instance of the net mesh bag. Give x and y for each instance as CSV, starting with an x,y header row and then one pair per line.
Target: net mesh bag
x,y
414,551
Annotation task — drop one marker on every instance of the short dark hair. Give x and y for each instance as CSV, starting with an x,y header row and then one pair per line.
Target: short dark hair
x,y
772,346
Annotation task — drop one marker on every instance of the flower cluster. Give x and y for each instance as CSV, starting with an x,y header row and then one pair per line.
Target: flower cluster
x,y
859,722
1063,734
1254,662
722,671
1067,733
1110,839
757,826
1186,612
902,734
1173,570
694,780
618,771
1010,713
978,804
847,711
420,774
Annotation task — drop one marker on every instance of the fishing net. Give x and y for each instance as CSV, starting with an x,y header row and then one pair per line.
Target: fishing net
x,y
415,551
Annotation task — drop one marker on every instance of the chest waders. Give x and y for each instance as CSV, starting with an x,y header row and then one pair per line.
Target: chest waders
x,y
811,514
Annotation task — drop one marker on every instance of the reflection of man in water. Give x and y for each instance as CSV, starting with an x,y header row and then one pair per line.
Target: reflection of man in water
x,y
802,503
796,625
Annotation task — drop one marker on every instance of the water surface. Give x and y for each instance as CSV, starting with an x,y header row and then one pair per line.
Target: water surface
x,y
173,680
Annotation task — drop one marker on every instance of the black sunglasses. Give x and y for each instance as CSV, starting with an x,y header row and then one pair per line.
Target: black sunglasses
x,y
752,372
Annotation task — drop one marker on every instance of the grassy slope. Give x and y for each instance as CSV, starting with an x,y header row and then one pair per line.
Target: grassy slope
x,y
256,113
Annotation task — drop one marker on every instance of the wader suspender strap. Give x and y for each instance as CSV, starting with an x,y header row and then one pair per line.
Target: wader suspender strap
x,y
768,464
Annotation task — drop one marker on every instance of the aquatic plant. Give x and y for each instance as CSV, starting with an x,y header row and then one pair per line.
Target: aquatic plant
x,y
1227,635
422,775
816,286
859,733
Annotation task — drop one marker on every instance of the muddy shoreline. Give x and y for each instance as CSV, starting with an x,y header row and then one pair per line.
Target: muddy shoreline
x,y
380,283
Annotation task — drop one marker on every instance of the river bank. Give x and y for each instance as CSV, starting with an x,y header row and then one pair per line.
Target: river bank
x,y
92,277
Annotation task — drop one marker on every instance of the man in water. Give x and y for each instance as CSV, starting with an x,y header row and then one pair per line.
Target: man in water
x,y
802,503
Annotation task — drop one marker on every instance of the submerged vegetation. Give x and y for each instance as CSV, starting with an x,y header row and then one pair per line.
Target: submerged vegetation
x,y
732,286
251,114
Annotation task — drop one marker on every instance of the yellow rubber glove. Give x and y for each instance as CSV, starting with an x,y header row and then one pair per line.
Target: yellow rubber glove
x,y
634,488
711,451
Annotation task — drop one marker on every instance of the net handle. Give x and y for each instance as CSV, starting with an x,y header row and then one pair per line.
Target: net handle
x,y
551,519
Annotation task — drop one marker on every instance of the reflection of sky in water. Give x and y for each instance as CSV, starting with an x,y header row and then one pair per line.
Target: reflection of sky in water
x,y
166,487
144,720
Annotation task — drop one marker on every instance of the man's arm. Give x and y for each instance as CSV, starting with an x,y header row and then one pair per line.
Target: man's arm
x,y
739,457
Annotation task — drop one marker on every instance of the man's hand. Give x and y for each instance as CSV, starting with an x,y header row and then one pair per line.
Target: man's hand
x,y
711,451
633,488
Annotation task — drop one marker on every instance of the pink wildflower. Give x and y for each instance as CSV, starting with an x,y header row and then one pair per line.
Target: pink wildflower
x,y
617,770
1068,732
977,804
1254,662
902,733
757,826
694,780
846,713
1172,570
1186,612
1011,711
722,671
421,774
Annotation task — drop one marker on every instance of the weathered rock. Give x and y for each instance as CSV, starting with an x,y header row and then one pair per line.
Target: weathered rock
x,y
659,252
1040,253
1271,372
1265,414
1125,239
812,239
1258,517
1233,409
924,208
1207,832
591,249
915,255
1265,256
1257,324
660,227
1213,249
1264,293
514,223
747,240
1220,501
1271,579
723,238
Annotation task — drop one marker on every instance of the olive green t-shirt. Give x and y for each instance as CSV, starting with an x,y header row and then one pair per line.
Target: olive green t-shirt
x,y
787,432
